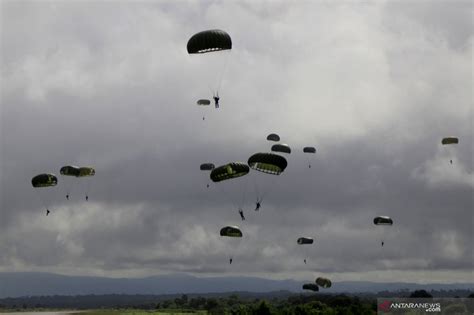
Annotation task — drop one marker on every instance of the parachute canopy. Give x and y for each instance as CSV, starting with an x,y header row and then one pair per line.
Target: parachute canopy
x,y
450,140
273,137
311,286
323,282
309,150
383,220
231,231
207,167
203,102
281,147
305,240
86,171
70,170
44,180
268,163
208,41
228,171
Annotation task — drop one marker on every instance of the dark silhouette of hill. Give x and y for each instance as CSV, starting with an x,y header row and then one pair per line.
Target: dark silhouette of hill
x,y
41,284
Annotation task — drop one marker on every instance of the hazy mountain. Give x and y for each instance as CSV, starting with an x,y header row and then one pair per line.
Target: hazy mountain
x,y
34,284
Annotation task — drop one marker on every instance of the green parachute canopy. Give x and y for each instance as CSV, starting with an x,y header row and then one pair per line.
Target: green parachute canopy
x,y
383,220
450,140
311,286
281,147
268,163
231,231
309,150
44,180
70,170
273,137
86,171
305,240
323,282
207,167
203,102
209,41
229,171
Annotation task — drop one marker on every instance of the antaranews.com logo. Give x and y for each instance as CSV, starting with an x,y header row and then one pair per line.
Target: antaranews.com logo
x,y
424,306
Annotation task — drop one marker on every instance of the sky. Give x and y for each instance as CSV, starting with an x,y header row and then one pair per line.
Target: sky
x,y
373,85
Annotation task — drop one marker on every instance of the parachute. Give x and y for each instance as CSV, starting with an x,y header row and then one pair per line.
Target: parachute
x,y
383,220
235,234
203,102
44,180
86,171
209,41
70,170
323,282
450,140
311,286
207,167
231,231
273,137
268,163
229,171
309,150
305,240
285,148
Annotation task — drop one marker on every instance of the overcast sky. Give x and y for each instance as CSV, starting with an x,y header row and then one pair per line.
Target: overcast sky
x,y
374,86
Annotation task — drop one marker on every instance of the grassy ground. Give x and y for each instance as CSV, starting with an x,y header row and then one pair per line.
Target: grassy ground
x,y
113,312
142,312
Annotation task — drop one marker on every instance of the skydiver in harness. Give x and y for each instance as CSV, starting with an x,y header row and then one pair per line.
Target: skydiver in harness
x,y
47,212
382,243
67,196
241,212
230,261
451,161
305,261
216,99
258,204
87,198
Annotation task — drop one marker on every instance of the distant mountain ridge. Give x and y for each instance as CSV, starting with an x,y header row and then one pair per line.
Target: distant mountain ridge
x,y
19,284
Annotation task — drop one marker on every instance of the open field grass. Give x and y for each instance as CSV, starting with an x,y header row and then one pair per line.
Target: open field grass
x,y
143,312
107,312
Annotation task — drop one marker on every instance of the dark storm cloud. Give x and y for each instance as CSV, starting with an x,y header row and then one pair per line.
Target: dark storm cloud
x,y
117,90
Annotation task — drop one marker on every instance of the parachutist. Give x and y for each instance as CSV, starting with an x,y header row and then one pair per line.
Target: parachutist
x,y
47,212
230,261
309,166
258,205
451,161
207,185
87,198
67,197
241,212
305,261
216,100
382,243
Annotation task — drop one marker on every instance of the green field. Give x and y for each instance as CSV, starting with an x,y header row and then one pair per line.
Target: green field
x,y
143,312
